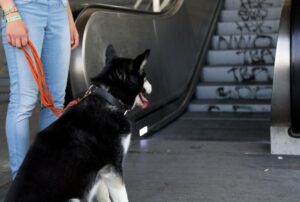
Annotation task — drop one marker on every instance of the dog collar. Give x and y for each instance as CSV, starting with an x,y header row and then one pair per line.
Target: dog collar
x,y
103,93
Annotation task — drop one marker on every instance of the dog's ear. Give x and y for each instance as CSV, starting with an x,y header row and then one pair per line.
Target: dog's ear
x,y
110,54
141,60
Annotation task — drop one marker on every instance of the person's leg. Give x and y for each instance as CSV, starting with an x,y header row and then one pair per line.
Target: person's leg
x,y
12,104
23,89
56,57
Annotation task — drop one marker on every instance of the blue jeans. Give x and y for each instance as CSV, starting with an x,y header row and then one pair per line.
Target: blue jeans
x,y
48,26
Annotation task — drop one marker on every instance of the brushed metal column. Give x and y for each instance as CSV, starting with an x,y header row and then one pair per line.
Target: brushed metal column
x,y
281,141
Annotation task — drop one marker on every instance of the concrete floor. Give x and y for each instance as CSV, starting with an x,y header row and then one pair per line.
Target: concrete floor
x,y
178,165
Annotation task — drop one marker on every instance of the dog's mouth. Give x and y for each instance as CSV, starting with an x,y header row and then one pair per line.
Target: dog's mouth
x,y
143,101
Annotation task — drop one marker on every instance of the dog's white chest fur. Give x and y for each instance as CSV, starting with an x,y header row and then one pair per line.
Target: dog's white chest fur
x,y
126,143
109,183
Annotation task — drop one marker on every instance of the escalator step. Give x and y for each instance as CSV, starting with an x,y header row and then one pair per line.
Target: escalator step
x,y
257,90
241,57
248,27
251,73
236,4
251,14
250,41
209,105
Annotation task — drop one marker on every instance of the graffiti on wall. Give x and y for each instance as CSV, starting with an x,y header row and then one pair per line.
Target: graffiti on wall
x,y
253,14
256,50
253,9
246,41
253,26
244,92
237,108
257,56
248,74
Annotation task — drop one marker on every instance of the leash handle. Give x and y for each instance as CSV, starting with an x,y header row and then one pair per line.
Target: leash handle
x,y
37,71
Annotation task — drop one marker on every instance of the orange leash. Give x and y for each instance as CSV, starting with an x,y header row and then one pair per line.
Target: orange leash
x,y
37,71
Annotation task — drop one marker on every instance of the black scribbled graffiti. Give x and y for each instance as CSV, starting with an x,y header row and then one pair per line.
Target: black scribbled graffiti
x,y
261,39
257,57
242,41
253,27
238,108
255,4
253,9
224,94
259,92
253,14
245,92
247,74
235,108
213,108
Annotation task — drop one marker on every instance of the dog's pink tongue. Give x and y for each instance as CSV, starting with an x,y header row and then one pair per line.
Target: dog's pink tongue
x,y
144,100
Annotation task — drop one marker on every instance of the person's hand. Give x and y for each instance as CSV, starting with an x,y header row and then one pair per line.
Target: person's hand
x,y
73,30
17,33
74,35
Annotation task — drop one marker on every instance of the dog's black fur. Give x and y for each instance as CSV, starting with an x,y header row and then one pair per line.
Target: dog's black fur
x,y
65,159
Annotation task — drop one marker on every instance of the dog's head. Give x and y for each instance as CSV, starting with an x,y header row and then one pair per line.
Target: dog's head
x,y
125,78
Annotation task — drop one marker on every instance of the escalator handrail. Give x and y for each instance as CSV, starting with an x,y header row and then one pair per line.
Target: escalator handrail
x,y
173,8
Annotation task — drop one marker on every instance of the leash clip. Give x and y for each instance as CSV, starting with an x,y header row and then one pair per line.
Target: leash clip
x,y
88,92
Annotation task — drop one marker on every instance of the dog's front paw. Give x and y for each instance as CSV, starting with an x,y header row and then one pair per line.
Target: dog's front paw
x,y
74,200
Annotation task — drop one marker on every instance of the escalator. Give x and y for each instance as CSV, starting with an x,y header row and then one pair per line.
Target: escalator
x,y
177,41
211,63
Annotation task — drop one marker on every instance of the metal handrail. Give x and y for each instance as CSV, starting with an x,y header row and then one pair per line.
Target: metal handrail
x,y
157,5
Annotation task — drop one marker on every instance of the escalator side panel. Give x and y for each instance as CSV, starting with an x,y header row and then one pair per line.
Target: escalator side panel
x,y
178,44
295,67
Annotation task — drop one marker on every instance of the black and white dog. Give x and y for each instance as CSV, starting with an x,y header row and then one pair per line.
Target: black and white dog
x,y
79,157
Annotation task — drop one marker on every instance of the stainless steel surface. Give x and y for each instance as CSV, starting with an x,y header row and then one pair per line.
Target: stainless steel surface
x,y
178,39
281,84
142,5
130,33
79,4
281,141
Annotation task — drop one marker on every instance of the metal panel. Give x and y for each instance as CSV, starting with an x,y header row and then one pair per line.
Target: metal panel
x,y
281,142
178,40
295,68
281,86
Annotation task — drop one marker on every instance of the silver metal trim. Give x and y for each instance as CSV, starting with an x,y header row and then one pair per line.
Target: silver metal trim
x,y
281,142
281,83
